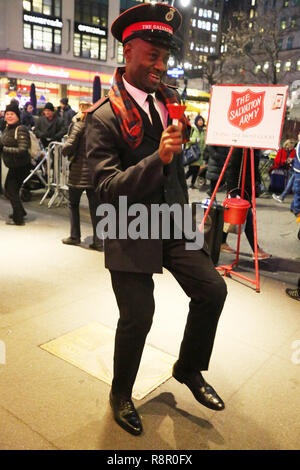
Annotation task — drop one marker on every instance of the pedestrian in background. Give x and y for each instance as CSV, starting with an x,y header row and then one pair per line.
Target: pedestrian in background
x,y
79,180
2,121
49,126
66,112
280,171
284,159
197,137
295,206
215,157
14,147
27,118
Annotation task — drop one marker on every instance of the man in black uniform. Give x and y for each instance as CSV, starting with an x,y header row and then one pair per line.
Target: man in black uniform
x,y
134,151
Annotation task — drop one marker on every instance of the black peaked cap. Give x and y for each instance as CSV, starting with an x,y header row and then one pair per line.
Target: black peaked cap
x,y
151,22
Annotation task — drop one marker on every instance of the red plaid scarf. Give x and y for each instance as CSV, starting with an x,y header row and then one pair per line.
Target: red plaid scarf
x,y
128,115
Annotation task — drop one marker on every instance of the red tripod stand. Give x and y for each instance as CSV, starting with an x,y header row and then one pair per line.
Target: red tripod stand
x,y
229,269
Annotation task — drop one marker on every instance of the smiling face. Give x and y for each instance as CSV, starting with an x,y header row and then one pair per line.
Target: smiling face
x,y
11,118
146,64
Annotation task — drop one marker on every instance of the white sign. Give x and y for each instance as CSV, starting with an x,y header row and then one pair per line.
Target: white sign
x,y
43,21
247,116
91,29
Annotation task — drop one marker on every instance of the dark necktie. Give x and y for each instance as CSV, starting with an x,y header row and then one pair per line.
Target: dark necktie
x,y
156,121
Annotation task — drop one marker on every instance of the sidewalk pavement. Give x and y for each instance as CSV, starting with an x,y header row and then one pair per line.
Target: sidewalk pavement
x,y
49,289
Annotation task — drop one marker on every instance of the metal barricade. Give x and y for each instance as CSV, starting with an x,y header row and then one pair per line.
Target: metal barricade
x,y
58,175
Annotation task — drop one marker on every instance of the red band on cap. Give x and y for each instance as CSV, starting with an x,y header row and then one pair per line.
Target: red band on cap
x,y
146,26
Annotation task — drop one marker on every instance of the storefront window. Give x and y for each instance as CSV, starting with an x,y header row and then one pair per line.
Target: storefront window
x,y
90,46
125,4
120,55
41,38
103,49
77,45
26,5
45,7
37,6
57,41
86,46
92,12
57,8
94,48
90,29
42,32
27,36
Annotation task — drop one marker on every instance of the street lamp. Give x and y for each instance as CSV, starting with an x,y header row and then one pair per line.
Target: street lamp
x,y
184,3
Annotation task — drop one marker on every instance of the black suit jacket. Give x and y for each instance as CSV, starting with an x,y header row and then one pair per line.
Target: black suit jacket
x,y
118,170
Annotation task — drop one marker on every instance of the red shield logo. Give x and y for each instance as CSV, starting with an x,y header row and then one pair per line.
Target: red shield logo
x,y
246,109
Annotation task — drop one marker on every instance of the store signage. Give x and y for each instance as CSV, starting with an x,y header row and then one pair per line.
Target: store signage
x,y
83,28
26,89
175,72
49,72
248,116
26,68
54,23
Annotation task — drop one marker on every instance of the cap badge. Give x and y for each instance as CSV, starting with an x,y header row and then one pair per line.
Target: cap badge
x,y
170,15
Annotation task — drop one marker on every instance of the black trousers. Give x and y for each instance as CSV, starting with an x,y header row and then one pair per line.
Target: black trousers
x,y
207,291
13,183
74,202
193,172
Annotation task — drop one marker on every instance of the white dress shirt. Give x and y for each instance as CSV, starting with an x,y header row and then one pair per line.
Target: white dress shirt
x,y
140,97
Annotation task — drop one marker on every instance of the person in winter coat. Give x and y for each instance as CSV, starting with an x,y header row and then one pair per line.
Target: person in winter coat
x,y
295,206
14,147
66,112
49,126
284,159
197,137
27,118
2,121
284,155
79,179
234,182
215,156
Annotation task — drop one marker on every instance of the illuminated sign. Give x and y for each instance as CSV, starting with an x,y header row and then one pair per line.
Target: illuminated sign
x,y
83,28
42,70
54,23
175,72
27,68
26,89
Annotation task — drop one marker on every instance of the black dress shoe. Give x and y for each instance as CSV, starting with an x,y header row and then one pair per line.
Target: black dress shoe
x,y
71,241
24,215
12,222
201,390
125,414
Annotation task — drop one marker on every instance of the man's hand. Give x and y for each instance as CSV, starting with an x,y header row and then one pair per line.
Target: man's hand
x,y
170,143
